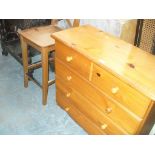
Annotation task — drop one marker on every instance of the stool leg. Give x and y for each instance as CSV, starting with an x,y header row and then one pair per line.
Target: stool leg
x,y
45,76
25,60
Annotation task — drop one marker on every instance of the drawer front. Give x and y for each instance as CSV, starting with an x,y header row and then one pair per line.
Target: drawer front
x,y
115,111
105,108
80,118
90,111
73,59
120,91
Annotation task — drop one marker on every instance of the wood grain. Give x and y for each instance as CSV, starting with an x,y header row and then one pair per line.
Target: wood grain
x,y
113,55
106,79
128,31
111,129
63,52
80,118
126,95
40,39
119,115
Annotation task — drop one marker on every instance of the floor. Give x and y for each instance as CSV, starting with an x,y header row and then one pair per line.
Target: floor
x,y
21,110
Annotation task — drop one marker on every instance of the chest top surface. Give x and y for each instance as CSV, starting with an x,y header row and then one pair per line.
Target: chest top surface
x,y
133,65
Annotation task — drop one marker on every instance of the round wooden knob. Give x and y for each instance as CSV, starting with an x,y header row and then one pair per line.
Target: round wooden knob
x,y
67,109
68,94
69,58
104,126
69,78
108,110
115,90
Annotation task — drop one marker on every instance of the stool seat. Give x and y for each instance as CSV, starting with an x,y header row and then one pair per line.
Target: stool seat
x,y
40,39
40,36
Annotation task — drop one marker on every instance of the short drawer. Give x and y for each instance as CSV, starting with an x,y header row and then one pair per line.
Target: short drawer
x,y
89,110
80,118
115,111
98,110
73,59
120,91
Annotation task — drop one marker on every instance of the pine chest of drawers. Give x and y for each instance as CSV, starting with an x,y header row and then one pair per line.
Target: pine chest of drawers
x,y
105,84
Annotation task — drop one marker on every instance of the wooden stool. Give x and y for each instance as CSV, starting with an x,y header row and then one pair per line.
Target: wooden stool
x,y
40,39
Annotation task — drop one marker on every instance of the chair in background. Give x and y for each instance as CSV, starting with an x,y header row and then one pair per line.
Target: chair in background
x,y
40,39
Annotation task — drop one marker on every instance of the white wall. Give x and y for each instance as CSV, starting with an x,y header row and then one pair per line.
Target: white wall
x,y
112,26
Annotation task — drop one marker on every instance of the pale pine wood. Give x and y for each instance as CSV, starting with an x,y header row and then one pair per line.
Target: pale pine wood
x,y
113,55
40,39
124,93
119,114
128,31
45,75
40,36
111,129
63,52
106,79
80,118
108,94
69,22
76,22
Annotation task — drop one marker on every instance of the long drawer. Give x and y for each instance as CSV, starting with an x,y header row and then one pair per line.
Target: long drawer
x,y
90,111
86,88
114,111
73,59
102,123
80,118
120,91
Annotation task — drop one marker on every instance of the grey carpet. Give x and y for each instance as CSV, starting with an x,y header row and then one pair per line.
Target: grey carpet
x,y
21,109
